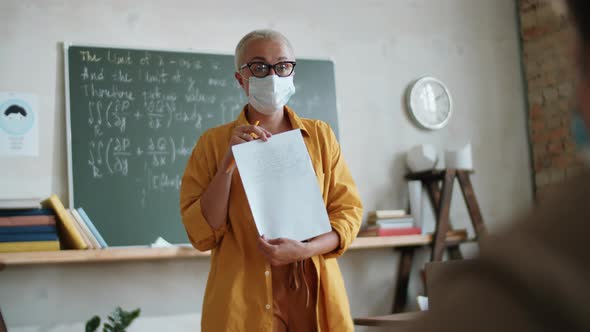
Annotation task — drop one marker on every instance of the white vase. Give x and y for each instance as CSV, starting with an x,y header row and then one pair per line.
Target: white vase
x,y
421,158
415,193
459,158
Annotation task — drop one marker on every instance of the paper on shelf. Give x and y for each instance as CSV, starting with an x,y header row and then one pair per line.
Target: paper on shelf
x,y
161,243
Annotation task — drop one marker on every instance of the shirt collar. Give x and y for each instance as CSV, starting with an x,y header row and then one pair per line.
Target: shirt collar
x,y
295,120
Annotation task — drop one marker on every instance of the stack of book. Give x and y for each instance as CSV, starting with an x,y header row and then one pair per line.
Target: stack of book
x,y
75,227
32,225
390,223
28,230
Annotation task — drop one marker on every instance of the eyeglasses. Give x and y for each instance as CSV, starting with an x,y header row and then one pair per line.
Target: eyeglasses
x,y
261,69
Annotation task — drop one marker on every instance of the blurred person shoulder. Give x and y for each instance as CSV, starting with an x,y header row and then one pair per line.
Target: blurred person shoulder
x,y
532,276
559,221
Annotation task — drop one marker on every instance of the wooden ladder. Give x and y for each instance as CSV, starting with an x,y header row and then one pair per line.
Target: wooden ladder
x,y
439,186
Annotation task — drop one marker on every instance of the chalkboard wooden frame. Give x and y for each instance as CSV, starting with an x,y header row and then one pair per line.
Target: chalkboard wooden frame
x,y
191,53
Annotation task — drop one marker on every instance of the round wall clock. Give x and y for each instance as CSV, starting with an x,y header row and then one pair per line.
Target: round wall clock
x,y
429,103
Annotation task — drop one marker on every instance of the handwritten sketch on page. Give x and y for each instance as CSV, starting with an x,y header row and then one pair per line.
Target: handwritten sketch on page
x,y
281,187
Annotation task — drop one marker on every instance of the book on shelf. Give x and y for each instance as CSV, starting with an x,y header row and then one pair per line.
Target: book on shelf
x,y
79,228
69,234
397,220
20,203
387,214
27,221
29,246
24,237
379,231
27,213
92,228
28,229
93,244
395,225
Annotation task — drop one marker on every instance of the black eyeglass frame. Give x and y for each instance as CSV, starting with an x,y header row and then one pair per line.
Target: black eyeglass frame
x,y
274,67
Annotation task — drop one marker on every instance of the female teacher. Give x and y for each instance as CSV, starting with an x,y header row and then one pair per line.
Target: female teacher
x,y
259,284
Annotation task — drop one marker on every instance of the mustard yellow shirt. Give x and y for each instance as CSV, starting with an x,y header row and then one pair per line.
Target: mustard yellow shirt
x,y
238,296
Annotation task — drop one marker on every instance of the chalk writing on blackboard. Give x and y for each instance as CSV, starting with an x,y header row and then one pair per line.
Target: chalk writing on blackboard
x,y
135,116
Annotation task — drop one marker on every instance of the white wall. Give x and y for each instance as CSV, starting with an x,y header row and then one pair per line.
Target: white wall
x,y
378,47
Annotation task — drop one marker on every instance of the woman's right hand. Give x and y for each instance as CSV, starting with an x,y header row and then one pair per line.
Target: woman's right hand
x,y
243,134
247,133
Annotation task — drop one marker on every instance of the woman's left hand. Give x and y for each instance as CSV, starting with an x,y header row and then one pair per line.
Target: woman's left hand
x,y
283,251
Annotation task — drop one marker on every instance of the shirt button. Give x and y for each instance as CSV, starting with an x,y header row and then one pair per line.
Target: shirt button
x,y
267,273
267,307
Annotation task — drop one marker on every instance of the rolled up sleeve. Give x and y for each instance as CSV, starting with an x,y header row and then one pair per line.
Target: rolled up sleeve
x,y
343,204
196,178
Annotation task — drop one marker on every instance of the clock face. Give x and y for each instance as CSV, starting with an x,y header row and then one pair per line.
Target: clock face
x,y
430,103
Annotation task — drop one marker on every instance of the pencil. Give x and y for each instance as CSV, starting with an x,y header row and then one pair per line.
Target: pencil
x,y
233,162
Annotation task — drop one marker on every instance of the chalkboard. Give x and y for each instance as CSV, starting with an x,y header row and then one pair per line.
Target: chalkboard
x,y
133,118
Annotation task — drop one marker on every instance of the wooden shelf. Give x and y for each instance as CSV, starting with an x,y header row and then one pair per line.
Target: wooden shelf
x,y
453,237
390,320
433,175
144,253
98,255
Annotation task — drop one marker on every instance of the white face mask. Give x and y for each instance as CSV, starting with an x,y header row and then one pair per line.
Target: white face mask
x,y
271,93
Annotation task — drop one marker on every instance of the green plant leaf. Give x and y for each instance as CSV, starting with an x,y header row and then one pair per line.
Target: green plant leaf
x,y
92,324
108,327
128,317
117,321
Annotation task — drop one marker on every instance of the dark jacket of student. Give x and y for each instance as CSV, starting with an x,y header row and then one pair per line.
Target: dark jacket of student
x,y
533,277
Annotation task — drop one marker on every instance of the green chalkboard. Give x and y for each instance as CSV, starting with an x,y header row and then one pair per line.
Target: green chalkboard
x,y
133,117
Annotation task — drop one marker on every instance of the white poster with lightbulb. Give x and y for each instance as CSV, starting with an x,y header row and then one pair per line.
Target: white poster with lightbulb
x,y
19,124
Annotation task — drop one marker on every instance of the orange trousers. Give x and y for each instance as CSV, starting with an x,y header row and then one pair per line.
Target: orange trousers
x,y
294,288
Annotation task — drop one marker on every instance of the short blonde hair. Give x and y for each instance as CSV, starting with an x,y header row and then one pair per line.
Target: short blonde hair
x,y
256,35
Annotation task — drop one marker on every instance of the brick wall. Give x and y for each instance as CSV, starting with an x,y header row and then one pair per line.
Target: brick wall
x,y
547,57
